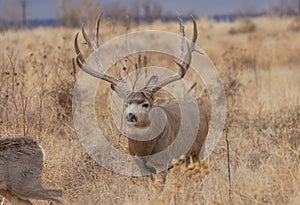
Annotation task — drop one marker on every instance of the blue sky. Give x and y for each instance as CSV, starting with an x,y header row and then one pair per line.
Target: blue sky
x,y
43,9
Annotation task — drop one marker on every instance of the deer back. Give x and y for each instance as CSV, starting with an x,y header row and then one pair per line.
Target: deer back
x,y
19,157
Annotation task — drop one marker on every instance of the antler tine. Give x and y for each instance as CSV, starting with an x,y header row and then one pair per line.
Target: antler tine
x,y
79,57
81,62
96,35
195,34
181,29
92,44
186,61
86,38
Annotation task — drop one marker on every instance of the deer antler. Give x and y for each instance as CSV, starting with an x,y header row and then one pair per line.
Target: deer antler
x,y
93,45
187,58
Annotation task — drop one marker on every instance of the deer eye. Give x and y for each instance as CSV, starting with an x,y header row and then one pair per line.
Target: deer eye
x,y
126,105
146,105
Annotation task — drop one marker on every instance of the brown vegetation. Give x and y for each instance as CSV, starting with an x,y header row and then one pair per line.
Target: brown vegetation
x,y
260,71
243,26
295,24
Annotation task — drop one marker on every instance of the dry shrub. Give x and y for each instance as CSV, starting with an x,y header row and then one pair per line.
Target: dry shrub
x,y
243,26
62,95
264,139
83,172
21,111
295,24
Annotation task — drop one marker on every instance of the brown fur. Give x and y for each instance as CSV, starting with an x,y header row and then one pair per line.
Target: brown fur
x,y
161,142
139,104
21,165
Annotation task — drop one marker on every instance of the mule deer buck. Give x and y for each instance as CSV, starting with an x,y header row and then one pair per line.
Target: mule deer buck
x,y
139,104
21,164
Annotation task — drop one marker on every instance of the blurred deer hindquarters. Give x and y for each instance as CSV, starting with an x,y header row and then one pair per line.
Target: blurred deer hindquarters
x,y
138,104
21,164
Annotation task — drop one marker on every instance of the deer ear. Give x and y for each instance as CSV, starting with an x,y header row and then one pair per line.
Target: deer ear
x,y
152,81
119,91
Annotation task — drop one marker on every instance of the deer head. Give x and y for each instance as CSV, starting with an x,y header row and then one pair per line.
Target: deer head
x,y
138,104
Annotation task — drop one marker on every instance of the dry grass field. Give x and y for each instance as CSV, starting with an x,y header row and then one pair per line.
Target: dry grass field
x,y
259,64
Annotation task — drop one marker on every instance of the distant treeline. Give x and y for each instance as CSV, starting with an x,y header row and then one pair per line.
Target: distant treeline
x,y
73,13
57,22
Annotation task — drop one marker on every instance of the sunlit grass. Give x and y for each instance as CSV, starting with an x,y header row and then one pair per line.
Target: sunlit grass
x,y
260,70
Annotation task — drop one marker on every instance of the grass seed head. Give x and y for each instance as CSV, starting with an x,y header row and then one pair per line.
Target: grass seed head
x,y
175,162
191,166
175,168
183,157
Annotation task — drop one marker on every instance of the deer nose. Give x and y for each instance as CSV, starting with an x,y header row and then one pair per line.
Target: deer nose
x,y
131,117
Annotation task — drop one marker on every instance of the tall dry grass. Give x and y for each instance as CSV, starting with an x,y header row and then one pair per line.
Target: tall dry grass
x,y
261,75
